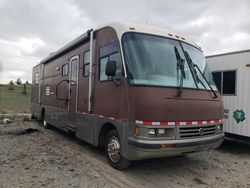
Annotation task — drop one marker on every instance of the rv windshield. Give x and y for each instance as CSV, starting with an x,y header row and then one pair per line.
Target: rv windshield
x,y
199,59
152,60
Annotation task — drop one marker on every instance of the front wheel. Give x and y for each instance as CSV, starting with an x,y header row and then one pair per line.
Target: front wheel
x,y
113,151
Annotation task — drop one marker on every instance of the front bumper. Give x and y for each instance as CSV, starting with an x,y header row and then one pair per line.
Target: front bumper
x,y
138,149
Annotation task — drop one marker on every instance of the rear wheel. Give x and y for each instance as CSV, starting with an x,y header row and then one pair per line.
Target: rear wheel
x,y
44,122
113,151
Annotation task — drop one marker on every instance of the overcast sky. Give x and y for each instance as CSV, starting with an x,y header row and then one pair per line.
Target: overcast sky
x,y
31,29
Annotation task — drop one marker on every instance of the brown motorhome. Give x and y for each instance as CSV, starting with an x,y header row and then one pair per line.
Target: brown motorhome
x,y
139,91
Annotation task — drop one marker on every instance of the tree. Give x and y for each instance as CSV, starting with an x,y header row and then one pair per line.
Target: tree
x,y
11,85
18,81
24,89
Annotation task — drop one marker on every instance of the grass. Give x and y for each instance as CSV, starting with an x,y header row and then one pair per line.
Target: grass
x,y
14,101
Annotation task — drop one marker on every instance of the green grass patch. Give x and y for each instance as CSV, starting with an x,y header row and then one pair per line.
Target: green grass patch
x,y
14,101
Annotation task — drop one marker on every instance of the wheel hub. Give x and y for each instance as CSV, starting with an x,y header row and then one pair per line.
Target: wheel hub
x,y
114,149
44,123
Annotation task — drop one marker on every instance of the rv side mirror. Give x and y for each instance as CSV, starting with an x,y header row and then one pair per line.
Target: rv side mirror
x,y
111,68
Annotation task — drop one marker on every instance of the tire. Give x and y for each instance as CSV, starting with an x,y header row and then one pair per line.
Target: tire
x,y
44,122
113,151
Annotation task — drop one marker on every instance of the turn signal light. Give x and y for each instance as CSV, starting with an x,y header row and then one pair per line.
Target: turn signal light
x,y
137,131
166,145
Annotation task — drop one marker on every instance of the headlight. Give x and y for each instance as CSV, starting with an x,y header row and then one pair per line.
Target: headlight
x,y
220,127
151,132
154,132
161,131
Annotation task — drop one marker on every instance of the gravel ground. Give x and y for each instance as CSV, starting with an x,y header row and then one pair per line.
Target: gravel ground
x,y
51,158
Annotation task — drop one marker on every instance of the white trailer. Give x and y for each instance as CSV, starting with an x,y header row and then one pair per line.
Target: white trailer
x,y
231,72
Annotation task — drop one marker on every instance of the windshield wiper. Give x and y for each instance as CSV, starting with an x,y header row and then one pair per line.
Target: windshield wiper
x,y
190,62
180,67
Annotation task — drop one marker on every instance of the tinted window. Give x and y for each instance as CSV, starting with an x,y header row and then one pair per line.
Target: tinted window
x,y
225,82
109,49
117,58
36,79
217,80
74,65
65,69
103,62
229,82
86,61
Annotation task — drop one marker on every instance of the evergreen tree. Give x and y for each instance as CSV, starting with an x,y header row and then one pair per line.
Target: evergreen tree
x,y
11,85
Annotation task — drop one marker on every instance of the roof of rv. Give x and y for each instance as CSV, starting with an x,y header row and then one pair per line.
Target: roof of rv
x,y
120,29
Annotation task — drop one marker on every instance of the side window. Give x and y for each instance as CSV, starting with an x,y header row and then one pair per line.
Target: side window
x,y
86,64
225,82
74,67
217,79
107,53
36,78
103,62
65,69
229,80
119,71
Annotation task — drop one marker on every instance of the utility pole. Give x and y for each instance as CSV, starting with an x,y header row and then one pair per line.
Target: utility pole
x,y
147,10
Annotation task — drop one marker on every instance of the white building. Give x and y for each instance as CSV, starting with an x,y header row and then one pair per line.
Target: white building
x,y
231,73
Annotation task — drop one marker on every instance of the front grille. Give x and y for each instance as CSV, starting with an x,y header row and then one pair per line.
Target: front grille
x,y
193,132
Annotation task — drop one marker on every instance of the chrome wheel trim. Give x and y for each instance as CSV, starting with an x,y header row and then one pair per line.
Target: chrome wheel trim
x,y
114,149
44,123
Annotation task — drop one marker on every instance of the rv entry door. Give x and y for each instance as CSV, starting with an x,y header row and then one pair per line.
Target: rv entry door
x,y
73,87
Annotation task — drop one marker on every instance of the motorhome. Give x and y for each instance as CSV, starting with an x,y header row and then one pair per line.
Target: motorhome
x,y
137,90
231,74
